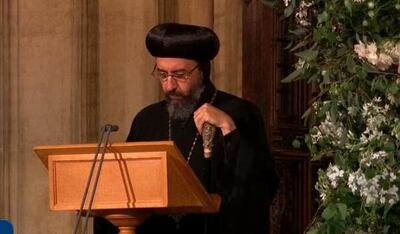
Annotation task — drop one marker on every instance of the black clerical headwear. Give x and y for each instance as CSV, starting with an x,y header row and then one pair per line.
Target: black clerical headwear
x,y
173,40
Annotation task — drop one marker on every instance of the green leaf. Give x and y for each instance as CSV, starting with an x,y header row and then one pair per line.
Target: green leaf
x,y
289,10
348,86
359,220
341,51
334,112
307,55
299,45
323,17
379,84
270,3
299,31
362,74
329,212
342,210
386,210
326,78
325,108
348,5
320,33
307,112
369,172
390,147
292,76
312,231
393,88
313,78
296,144
350,64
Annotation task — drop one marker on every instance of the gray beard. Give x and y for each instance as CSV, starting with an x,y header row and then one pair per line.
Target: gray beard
x,y
181,110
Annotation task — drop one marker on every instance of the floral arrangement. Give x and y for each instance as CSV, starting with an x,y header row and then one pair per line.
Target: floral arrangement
x,y
351,49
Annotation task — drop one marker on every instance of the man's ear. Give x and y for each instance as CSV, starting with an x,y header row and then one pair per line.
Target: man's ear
x,y
203,81
201,77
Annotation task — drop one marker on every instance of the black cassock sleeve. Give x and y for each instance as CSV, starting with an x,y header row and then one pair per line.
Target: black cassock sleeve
x,y
247,176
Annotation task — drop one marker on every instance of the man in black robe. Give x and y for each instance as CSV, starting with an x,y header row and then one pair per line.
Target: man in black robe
x,y
240,169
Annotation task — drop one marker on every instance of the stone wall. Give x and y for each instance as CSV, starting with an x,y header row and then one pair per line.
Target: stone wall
x,y
68,67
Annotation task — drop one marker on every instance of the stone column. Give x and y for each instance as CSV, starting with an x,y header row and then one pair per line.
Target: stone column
x,y
48,94
228,26
85,68
126,85
5,110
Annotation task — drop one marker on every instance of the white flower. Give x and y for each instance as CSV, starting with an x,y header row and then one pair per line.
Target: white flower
x,y
378,155
360,49
395,53
389,196
396,129
334,130
384,61
300,64
377,99
316,106
302,13
369,135
352,183
371,190
393,50
316,137
391,98
371,54
352,111
322,195
372,158
393,177
334,174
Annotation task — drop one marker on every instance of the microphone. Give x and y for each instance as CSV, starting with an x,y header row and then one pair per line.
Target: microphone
x,y
111,127
207,134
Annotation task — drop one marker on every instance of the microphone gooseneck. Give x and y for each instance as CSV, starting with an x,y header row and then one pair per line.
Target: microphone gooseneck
x,y
102,144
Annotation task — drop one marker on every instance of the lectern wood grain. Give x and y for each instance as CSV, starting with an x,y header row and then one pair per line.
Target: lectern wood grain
x,y
150,175
137,179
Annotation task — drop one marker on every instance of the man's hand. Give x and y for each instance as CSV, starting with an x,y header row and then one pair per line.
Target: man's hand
x,y
218,118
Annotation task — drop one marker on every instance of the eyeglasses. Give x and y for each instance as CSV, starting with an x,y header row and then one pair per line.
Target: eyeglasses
x,y
181,75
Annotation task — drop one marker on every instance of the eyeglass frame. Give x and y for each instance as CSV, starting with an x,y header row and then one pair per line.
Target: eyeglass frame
x,y
184,77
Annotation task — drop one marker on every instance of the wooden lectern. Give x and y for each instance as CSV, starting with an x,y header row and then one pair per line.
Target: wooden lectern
x,y
137,179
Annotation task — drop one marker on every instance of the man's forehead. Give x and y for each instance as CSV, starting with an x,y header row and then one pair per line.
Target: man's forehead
x,y
174,63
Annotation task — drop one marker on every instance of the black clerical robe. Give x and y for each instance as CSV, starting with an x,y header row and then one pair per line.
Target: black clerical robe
x,y
241,168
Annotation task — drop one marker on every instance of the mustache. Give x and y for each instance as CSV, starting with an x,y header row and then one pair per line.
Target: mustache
x,y
176,94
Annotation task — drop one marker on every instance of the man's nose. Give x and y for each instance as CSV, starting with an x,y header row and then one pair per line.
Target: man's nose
x,y
170,83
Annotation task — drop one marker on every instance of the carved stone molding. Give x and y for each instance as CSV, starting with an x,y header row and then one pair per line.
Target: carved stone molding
x,y
5,107
85,86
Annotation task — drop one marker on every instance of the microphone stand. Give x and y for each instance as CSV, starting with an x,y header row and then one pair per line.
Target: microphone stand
x,y
105,131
